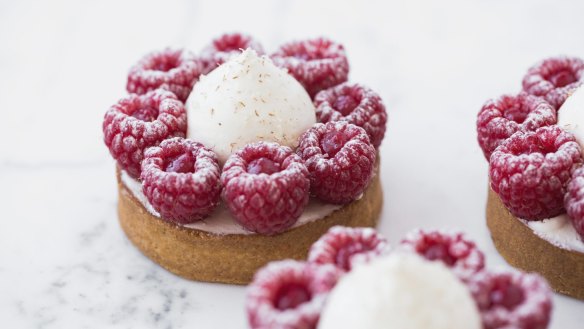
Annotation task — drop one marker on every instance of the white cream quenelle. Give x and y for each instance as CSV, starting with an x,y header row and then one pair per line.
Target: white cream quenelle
x,y
571,115
401,291
248,99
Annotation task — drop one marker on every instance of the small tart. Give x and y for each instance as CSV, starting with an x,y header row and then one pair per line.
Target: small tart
x,y
522,248
232,258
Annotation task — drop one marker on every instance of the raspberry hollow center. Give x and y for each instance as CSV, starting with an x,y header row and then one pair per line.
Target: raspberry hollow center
x,y
345,104
183,163
332,142
507,295
165,64
146,113
515,112
263,166
292,295
562,78
439,252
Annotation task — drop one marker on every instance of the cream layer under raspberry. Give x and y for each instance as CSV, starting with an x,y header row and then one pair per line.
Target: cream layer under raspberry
x,y
558,231
220,221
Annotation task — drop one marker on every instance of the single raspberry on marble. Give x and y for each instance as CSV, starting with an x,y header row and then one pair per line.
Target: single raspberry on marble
x,y
317,64
139,121
500,118
574,200
530,171
451,248
356,104
266,187
175,70
512,299
226,46
345,247
340,159
289,294
180,178
555,79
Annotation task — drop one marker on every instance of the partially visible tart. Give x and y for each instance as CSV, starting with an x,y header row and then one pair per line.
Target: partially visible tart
x,y
527,249
533,142
431,280
225,162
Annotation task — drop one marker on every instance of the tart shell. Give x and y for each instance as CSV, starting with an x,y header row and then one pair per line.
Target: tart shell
x,y
522,248
234,258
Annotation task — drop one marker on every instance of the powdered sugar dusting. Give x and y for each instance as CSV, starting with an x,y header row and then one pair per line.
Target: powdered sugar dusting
x,y
452,248
346,247
512,299
265,294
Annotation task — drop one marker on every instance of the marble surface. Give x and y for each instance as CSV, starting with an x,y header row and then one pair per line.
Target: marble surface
x,y
65,263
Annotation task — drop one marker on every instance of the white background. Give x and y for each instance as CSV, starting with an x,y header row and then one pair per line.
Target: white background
x,y
65,263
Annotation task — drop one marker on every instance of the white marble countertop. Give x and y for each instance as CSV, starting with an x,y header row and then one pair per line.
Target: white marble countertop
x,y
64,261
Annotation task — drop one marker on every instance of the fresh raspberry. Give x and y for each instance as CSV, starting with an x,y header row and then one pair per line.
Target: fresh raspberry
x,y
345,247
356,104
266,187
224,47
451,248
530,171
289,294
317,64
340,160
140,121
512,299
500,118
172,69
574,200
180,178
554,78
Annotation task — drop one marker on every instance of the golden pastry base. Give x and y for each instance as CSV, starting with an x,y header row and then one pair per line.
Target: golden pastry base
x,y
522,248
203,256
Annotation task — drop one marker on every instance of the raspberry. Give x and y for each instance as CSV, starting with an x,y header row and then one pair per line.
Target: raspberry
x,y
266,187
356,104
345,246
172,69
554,78
530,171
512,300
317,64
289,294
180,178
574,200
340,160
140,121
224,47
500,118
453,249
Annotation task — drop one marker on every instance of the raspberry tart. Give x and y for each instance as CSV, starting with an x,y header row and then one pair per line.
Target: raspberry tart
x,y
231,158
431,280
533,142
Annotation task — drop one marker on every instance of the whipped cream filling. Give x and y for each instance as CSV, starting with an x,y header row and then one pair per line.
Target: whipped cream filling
x,y
401,291
558,231
571,115
220,221
245,100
